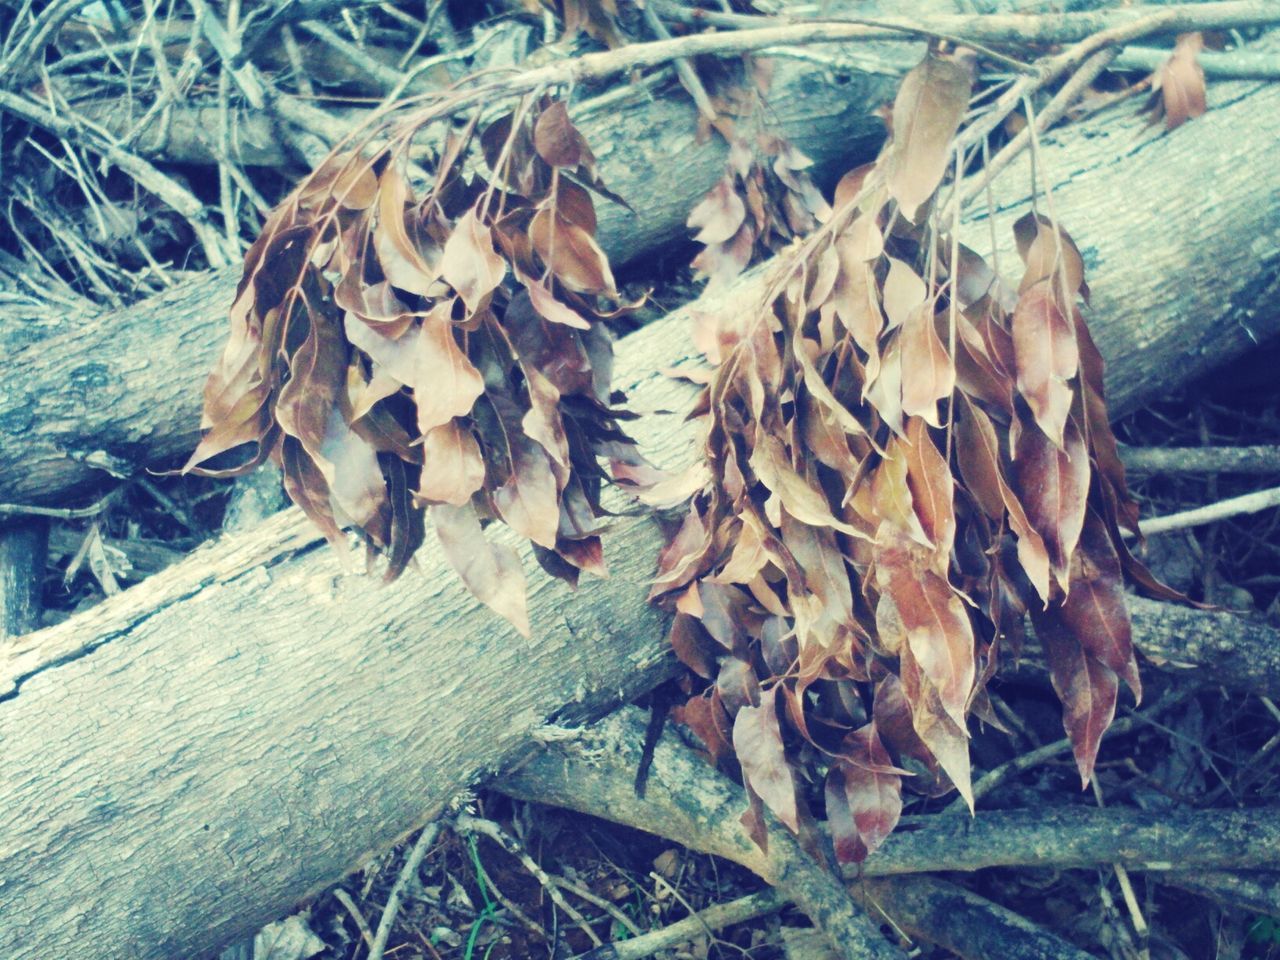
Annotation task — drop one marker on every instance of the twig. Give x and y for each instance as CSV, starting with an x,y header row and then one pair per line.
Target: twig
x,y
362,924
386,77
1033,758
80,130
684,69
14,68
1054,111
713,918
600,903
1223,510
1260,460
465,823
408,873
1231,65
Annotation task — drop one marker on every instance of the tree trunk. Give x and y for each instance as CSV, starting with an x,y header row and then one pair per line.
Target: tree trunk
x,y
186,761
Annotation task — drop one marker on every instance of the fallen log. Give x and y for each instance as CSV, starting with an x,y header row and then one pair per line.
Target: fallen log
x,y
186,761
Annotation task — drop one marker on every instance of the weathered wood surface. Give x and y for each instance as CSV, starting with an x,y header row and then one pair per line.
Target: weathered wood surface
x,y
186,761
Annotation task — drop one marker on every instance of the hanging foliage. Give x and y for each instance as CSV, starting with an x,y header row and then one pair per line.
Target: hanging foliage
x,y
904,455
398,345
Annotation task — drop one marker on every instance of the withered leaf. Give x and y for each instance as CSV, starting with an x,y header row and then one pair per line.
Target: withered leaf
x,y
1094,611
928,375
492,572
1053,487
556,139
938,632
449,382
570,253
864,796
452,467
800,499
926,114
1181,82
982,467
757,742
719,214
1044,343
1087,688
470,264
1049,254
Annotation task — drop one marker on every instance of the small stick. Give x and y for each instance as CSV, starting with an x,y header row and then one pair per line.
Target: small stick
x,y
1260,460
684,69
469,824
1225,509
712,919
344,898
407,873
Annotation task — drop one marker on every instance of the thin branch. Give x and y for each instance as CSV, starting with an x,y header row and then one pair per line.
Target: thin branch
x,y
410,871
1254,502
714,918
1175,461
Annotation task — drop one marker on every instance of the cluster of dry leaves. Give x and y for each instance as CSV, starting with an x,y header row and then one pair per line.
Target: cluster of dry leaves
x,y
903,457
766,199
393,351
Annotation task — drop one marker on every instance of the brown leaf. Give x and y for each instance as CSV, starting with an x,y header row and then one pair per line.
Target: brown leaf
x,y
528,500
543,422
1053,487
470,263
1049,254
570,253
350,466
452,467
719,214
1094,611
982,467
491,572
401,260
938,631
549,308
555,137
932,489
757,741
1046,354
446,382
946,739
926,114
1181,82
928,375
864,799
1088,689
904,293
800,499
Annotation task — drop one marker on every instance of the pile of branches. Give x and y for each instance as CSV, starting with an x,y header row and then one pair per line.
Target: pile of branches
x,y
901,455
